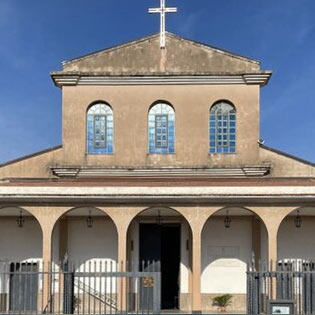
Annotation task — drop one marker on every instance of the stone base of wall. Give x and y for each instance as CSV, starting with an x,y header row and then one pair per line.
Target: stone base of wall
x,y
3,302
185,302
238,303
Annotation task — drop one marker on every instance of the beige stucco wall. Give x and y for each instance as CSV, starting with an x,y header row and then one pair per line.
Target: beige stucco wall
x,y
131,105
283,166
36,166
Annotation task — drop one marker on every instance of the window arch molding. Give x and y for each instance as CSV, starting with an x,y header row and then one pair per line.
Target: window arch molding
x,y
161,128
222,127
99,128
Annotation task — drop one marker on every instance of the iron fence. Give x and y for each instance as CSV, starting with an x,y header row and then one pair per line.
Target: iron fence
x,y
292,281
93,287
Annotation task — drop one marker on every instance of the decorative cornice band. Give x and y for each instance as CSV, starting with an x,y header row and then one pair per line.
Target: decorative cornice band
x,y
65,80
81,172
294,195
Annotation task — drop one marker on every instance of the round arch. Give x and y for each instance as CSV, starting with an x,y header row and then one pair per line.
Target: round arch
x,y
98,102
163,234
223,101
295,235
21,235
85,234
161,102
231,238
99,128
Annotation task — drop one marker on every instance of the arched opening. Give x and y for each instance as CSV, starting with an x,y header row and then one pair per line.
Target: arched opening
x,y
161,128
20,260
231,238
20,236
222,127
85,250
99,129
296,236
296,260
84,235
162,234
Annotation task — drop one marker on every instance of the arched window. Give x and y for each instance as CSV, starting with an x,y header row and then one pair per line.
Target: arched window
x,y
222,128
100,129
161,129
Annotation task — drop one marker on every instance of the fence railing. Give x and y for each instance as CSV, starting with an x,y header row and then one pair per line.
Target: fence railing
x,y
93,287
292,281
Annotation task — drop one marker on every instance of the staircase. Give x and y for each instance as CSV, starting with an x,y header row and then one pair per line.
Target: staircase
x,y
104,298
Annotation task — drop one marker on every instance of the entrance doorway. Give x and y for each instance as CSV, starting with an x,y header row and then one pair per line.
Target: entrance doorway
x,y
162,243
23,287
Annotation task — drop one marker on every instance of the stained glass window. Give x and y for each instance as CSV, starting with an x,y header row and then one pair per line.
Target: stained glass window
x,y
161,129
100,129
222,126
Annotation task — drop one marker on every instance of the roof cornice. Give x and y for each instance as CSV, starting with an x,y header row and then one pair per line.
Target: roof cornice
x,y
62,79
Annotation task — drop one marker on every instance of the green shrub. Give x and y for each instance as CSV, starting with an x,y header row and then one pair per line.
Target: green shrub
x,y
222,301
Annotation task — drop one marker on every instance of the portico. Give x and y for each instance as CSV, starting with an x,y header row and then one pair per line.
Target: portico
x,y
213,257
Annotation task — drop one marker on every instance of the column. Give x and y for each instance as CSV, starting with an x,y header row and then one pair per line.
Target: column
x,y
122,261
272,257
196,271
47,259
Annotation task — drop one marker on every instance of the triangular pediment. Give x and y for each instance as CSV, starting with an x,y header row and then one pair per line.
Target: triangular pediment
x,y
144,56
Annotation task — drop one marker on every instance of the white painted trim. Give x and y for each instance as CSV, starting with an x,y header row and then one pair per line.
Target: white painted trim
x,y
6,191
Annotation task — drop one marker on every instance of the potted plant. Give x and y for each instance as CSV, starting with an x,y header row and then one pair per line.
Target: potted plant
x,y
222,302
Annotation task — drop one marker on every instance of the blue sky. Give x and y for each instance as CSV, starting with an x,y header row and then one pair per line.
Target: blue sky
x,y
37,35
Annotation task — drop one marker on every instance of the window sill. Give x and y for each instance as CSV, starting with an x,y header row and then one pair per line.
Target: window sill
x,y
222,153
93,154
150,154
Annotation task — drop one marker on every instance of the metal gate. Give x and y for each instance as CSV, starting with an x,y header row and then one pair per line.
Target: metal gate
x,y
95,287
292,281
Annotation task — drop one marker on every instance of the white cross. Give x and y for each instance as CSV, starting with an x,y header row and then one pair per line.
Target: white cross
x,y
162,10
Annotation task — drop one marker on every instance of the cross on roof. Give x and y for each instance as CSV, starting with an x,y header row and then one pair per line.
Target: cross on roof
x,y
162,10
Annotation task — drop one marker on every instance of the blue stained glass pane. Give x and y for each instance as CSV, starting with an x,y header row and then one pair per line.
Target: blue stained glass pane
x,y
161,129
232,144
100,129
232,150
222,123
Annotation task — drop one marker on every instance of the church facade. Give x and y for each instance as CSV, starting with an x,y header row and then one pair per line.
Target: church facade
x,y
161,160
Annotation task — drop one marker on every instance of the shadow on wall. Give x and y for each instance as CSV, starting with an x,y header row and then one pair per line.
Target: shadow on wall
x,y
85,235
20,236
